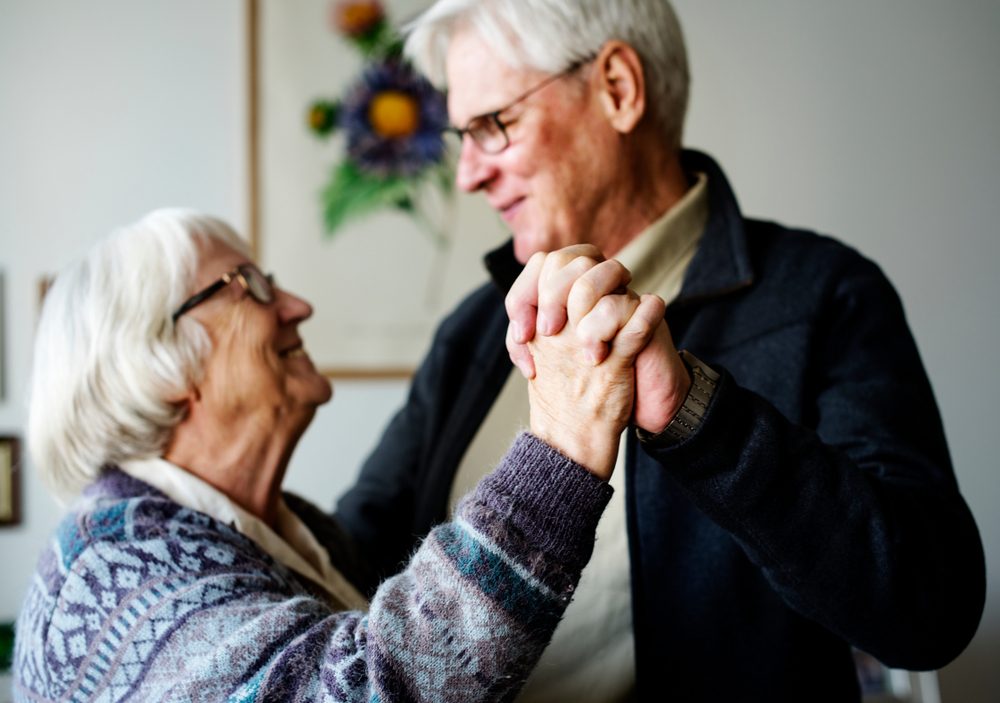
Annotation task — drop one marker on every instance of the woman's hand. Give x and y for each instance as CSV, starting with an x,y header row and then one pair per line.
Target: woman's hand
x,y
583,388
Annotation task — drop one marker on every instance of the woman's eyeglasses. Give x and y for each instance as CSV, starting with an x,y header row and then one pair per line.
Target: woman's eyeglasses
x,y
259,286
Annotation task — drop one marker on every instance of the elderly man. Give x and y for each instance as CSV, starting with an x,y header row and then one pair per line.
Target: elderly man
x,y
801,501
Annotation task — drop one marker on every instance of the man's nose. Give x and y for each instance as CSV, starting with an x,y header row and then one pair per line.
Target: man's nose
x,y
475,168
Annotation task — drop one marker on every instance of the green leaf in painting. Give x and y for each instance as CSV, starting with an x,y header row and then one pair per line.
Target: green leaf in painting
x,y
352,192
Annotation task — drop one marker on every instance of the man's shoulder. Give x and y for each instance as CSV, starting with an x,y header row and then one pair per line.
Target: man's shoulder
x,y
783,239
481,311
795,254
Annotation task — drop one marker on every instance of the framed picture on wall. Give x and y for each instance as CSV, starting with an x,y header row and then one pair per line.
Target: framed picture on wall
x,y
380,283
3,342
10,481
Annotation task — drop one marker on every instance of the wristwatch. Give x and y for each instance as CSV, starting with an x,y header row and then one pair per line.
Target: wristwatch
x,y
691,414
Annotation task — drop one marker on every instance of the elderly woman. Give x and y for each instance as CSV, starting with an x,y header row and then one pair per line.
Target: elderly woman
x,y
170,388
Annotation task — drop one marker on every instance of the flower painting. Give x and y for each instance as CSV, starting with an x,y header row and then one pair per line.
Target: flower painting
x,y
393,120
356,206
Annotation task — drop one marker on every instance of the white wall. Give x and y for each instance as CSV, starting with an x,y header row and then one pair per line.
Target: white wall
x,y
872,121
109,109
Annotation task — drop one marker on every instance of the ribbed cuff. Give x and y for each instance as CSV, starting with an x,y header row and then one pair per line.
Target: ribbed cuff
x,y
553,503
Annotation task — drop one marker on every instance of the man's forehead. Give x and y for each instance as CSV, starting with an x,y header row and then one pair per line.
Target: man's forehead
x,y
478,81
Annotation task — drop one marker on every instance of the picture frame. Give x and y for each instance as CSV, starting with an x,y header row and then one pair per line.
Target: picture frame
x,y
378,286
3,341
10,481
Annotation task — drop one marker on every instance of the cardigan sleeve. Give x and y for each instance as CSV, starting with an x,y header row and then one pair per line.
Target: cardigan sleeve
x,y
186,611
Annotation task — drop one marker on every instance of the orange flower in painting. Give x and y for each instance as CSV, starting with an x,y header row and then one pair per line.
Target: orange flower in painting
x,y
394,114
356,18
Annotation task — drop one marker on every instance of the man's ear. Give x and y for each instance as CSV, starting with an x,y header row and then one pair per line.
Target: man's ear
x,y
621,85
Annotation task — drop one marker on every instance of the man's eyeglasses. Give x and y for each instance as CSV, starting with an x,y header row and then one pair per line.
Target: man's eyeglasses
x,y
488,131
259,286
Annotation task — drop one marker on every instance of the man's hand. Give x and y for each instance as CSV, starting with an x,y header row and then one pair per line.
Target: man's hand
x,y
662,382
545,312
578,406
578,279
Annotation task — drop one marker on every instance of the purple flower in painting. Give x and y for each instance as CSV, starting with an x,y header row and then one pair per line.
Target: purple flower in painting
x,y
394,120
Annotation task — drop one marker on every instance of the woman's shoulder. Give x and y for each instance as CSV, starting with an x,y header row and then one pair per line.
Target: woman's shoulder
x,y
125,559
120,520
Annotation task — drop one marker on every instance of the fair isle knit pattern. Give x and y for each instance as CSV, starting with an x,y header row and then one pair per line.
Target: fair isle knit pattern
x,y
140,599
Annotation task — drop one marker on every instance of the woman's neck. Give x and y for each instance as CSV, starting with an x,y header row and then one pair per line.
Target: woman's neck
x,y
247,464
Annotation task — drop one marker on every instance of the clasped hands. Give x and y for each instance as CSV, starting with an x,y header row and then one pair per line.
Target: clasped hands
x,y
594,352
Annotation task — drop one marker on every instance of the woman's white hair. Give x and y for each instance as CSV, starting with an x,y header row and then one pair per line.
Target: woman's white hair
x,y
551,35
109,359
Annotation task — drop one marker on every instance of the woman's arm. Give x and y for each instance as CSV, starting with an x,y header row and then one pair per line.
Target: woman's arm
x,y
163,603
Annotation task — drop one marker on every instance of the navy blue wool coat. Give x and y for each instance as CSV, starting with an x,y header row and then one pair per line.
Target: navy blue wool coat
x,y
815,509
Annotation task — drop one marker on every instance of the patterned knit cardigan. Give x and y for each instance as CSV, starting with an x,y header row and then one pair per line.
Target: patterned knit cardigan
x,y
140,599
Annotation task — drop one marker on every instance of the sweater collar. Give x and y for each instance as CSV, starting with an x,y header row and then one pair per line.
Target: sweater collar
x,y
722,262
292,543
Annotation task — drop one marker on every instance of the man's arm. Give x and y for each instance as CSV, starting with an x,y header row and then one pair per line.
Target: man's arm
x,y
858,523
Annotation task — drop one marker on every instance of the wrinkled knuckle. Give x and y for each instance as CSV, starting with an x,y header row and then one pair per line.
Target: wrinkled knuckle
x,y
584,336
549,295
589,331
537,259
584,288
630,340
607,307
580,265
618,268
560,258
512,346
643,324
511,303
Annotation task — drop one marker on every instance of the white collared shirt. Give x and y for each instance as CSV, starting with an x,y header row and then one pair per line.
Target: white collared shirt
x,y
592,652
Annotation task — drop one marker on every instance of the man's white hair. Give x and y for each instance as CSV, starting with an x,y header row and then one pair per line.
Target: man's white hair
x,y
109,359
551,35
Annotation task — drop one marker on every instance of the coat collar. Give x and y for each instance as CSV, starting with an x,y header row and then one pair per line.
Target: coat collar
x,y
721,264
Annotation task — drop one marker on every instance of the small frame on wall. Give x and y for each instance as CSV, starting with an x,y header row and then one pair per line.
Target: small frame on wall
x,y
2,343
10,481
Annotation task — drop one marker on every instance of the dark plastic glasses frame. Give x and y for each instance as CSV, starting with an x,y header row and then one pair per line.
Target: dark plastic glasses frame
x,y
260,286
482,127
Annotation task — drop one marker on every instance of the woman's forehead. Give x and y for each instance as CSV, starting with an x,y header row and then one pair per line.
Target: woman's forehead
x,y
216,258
